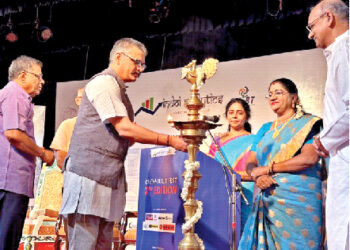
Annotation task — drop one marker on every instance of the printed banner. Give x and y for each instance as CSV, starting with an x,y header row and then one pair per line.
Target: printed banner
x,y
164,93
160,208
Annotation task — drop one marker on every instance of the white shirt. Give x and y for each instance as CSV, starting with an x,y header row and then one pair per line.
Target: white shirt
x,y
335,138
335,135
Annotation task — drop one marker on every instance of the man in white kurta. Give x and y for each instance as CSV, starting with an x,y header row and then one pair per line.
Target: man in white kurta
x,y
94,177
329,28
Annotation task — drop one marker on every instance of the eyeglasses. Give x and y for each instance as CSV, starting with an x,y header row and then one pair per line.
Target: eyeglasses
x,y
40,77
311,25
277,93
136,61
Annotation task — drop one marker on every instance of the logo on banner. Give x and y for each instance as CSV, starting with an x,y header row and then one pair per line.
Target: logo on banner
x,y
243,92
147,107
159,222
180,102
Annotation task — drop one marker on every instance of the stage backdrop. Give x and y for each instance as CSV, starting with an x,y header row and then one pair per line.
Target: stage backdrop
x,y
65,104
158,94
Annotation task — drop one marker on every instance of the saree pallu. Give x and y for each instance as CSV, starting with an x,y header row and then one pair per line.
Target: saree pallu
x,y
235,151
287,215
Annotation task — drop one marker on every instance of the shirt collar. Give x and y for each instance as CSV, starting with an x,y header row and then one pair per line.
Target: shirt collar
x,y
120,81
19,88
338,39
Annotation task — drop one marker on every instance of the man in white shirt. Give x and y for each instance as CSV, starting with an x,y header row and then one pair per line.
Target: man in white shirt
x,y
328,26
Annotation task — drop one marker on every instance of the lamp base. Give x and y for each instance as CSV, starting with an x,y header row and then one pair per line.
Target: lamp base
x,y
189,242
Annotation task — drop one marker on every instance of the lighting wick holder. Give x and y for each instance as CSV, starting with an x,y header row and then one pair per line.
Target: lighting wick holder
x,y
193,132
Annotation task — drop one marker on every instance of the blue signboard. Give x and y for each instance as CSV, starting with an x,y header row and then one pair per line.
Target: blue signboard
x,y
160,207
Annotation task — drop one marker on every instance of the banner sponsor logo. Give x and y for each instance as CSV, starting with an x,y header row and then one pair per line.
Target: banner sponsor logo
x,y
168,228
159,222
243,92
147,226
147,107
149,217
160,217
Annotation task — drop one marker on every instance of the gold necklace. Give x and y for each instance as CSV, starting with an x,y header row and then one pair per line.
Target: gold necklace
x,y
277,131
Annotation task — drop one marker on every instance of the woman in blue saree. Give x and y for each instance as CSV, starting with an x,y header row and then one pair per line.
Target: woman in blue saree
x,y
234,147
287,211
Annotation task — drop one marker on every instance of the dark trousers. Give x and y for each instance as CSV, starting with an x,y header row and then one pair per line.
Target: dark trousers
x,y
13,210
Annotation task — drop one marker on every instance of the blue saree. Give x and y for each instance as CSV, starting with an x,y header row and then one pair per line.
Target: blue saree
x,y
235,151
287,215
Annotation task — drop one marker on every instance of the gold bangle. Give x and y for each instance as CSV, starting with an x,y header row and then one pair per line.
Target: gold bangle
x,y
157,140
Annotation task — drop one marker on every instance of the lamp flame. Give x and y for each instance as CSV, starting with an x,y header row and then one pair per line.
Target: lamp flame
x,y
170,120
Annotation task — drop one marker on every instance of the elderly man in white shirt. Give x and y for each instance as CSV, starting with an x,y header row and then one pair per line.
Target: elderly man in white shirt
x,y
328,26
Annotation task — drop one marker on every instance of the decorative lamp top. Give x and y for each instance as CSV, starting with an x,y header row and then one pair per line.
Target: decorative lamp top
x,y
197,75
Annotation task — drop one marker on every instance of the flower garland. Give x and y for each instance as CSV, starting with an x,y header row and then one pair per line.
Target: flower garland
x,y
194,219
200,241
190,167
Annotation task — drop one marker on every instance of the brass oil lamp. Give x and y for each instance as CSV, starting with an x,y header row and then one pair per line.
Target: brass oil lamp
x,y
193,131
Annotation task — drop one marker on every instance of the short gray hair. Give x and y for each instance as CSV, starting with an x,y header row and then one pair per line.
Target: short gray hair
x,y
123,45
337,7
20,64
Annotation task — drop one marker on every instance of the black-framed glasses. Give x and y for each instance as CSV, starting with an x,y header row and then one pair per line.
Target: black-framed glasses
x,y
277,93
310,26
40,77
136,61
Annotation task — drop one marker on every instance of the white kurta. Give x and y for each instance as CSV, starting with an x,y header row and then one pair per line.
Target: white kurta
x,y
335,138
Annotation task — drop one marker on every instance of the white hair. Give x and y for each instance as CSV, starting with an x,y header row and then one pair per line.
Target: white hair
x,y
123,45
20,64
337,7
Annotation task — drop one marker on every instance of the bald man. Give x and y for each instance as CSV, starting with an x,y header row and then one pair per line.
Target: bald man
x,y
61,141
328,26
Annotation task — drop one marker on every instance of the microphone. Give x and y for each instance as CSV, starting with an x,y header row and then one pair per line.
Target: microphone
x,y
213,118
